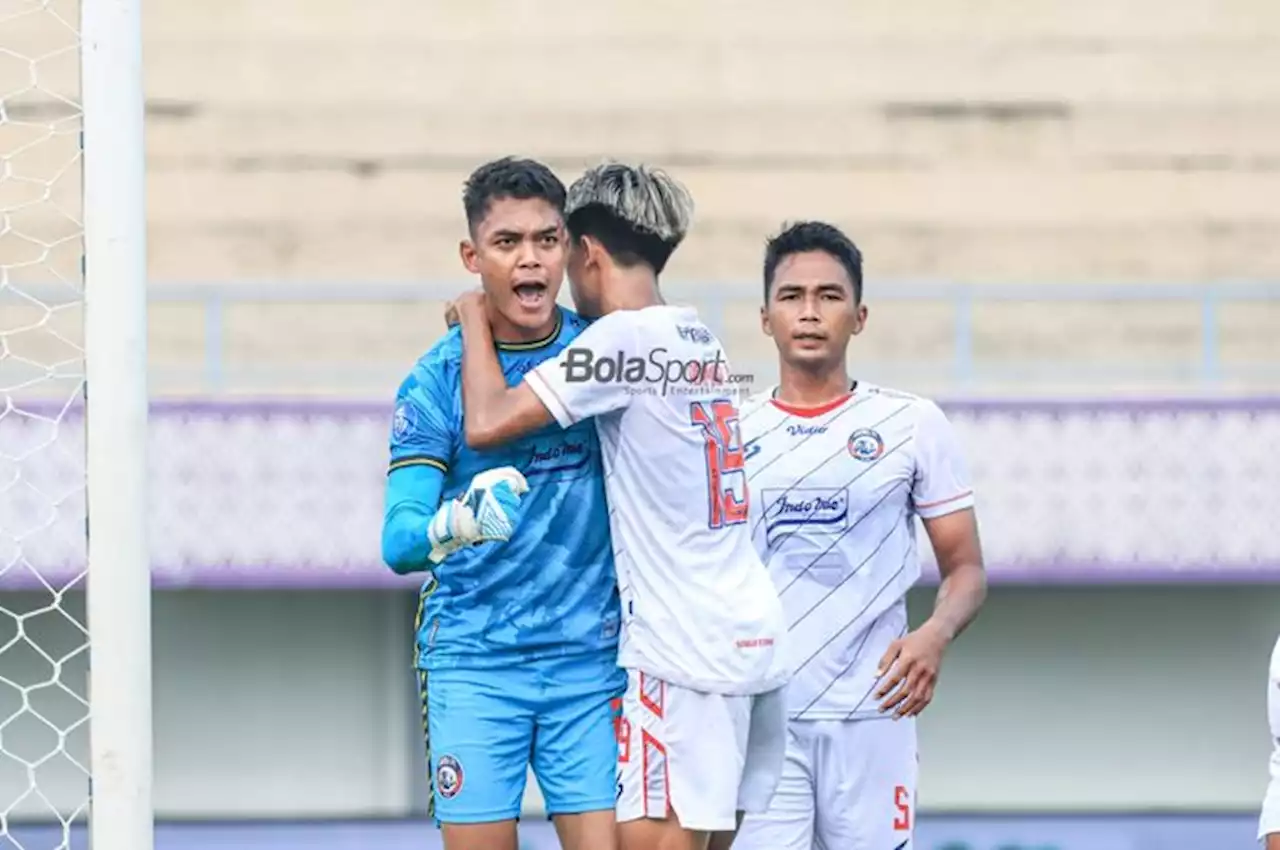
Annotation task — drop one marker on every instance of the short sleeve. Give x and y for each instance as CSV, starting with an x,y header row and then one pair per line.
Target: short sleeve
x,y
422,428
586,379
1269,822
942,485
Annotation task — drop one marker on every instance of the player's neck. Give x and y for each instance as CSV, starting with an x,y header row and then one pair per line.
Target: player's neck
x,y
804,388
506,331
631,289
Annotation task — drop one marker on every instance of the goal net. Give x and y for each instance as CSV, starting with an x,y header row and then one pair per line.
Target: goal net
x,y
51,259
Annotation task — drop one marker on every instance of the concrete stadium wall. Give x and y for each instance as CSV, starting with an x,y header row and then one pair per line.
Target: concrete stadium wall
x,y
300,704
327,140
319,139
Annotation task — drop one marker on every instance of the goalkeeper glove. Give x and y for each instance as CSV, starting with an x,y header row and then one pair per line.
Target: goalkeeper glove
x,y
486,511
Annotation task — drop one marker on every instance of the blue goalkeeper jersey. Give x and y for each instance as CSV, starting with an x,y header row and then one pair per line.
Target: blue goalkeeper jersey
x,y
551,589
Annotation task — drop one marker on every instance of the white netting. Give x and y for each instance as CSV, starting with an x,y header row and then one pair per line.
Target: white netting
x,y
43,642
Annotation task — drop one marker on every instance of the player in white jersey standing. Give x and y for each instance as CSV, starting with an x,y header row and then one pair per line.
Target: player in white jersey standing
x,y
839,470
1269,821
702,732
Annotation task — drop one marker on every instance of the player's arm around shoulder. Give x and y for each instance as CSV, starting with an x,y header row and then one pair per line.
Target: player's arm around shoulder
x,y
576,385
942,497
492,412
1269,822
561,390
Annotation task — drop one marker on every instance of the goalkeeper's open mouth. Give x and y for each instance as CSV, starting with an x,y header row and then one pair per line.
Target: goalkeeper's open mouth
x,y
531,295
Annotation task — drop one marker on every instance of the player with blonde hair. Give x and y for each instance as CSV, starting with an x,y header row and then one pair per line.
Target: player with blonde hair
x,y
702,731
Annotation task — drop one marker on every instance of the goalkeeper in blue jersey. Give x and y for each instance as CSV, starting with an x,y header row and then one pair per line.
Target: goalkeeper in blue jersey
x,y
518,617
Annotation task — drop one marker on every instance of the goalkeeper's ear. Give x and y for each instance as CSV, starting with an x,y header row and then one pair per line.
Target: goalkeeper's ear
x,y
467,251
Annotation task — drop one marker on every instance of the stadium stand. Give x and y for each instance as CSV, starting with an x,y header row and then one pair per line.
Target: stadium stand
x,y
326,140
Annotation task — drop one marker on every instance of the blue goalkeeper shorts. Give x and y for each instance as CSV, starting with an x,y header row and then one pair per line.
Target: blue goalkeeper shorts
x,y
484,728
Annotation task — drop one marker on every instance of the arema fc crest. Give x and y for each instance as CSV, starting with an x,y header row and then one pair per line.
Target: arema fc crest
x,y
448,777
866,445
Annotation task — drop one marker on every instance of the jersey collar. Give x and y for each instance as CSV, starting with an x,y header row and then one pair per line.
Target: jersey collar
x,y
811,412
537,343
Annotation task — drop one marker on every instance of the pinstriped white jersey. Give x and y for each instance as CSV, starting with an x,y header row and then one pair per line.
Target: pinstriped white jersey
x,y
835,493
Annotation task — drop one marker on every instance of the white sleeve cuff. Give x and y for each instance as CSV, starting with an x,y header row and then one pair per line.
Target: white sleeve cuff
x,y
549,398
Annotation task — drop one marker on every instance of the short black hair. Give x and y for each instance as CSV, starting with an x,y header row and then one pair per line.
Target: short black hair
x,y
804,236
509,177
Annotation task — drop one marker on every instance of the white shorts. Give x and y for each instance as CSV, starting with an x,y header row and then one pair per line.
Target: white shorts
x,y
847,785
703,756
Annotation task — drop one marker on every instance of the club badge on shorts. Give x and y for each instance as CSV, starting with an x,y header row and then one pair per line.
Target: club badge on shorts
x,y
448,777
866,445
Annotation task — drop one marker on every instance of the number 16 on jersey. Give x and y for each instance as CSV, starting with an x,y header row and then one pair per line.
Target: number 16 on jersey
x,y
726,478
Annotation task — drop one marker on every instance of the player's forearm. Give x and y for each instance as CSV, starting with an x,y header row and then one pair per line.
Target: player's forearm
x,y
484,387
492,412
405,544
960,597
413,495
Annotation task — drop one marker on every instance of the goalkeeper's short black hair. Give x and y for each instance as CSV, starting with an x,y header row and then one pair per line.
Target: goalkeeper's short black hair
x,y
638,214
509,177
805,236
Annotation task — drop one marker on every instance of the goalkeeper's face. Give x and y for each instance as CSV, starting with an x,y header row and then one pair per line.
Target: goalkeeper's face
x,y
518,250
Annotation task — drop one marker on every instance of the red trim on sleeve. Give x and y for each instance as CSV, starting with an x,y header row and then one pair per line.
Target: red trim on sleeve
x,y
955,498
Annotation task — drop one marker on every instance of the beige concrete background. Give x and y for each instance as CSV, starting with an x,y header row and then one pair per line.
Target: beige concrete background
x,y
1036,143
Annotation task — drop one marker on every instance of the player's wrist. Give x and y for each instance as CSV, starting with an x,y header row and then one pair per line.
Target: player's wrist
x,y
452,527
475,328
940,628
471,309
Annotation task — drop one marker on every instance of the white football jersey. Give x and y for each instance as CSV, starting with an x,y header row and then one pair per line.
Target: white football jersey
x,y
698,607
1269,821
835,492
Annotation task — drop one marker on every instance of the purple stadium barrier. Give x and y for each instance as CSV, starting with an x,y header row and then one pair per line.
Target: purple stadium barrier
x,y
289,494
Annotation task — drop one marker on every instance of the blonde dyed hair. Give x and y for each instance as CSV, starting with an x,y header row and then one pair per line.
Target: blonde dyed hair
x,y
647,199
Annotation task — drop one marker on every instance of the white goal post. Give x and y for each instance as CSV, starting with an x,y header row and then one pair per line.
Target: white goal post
x,y
119,574
75,578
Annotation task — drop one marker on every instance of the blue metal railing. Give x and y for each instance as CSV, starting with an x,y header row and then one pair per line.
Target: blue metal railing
x,y
965,369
